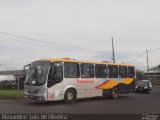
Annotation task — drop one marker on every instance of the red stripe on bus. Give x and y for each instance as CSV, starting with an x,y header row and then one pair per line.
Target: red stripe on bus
x,y
102,83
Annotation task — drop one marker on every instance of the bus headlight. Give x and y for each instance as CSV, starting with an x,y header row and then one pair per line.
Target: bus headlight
x,y
41,91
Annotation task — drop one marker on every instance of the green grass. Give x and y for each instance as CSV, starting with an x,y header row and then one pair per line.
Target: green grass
x,y
11,94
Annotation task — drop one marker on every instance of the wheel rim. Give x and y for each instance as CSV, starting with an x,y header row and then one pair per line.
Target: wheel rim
x,y
70,96
115,92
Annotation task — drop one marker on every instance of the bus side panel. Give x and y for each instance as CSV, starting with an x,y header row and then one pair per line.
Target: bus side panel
x,y
130,88
86,87
57,91
125,85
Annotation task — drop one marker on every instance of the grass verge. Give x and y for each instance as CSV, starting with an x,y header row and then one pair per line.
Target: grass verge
x,y
11,94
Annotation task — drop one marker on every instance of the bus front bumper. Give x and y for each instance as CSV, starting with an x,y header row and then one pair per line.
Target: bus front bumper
x,y
37,97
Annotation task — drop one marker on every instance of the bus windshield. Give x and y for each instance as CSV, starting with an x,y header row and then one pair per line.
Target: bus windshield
x,y
37,74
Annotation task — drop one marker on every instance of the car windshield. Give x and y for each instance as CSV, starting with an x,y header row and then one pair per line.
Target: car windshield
x,y
37,74
141,83
146,81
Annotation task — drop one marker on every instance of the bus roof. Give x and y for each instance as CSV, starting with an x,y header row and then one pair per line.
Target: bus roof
x,y
81,61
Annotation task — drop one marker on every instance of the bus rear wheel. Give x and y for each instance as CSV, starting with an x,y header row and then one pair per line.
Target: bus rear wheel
x,y
115,93
70,96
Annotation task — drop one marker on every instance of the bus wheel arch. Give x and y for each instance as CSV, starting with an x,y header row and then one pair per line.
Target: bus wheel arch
x,y
70,95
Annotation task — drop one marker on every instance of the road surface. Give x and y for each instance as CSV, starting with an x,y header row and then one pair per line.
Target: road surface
x,y
125,104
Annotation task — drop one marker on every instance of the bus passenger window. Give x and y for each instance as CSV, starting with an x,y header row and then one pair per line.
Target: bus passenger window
x,y
71,70
100,71
122,71
112,71
55,74
131,72
87,70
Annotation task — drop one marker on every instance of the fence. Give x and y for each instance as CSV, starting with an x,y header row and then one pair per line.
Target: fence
x,y
17,84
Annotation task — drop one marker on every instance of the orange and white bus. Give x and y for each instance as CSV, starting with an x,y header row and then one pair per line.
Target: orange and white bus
x,y
69,79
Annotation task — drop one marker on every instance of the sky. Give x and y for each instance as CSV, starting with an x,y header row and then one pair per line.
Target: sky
x,y
80,29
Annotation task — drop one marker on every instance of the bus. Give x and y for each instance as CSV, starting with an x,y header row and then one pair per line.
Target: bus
x,y
70,79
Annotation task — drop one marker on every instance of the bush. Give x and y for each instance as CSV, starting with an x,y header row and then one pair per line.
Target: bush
x,y
11,94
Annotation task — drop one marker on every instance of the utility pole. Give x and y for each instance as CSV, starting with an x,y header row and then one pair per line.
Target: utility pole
x,y
113,54
147,65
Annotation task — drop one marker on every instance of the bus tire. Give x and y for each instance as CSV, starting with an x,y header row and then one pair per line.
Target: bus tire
x,y
70,96
114,93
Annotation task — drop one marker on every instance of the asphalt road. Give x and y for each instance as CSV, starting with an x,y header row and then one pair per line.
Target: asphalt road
x,y
125,104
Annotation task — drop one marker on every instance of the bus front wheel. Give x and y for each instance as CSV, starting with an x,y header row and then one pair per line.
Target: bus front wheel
x,y
115,93
69,96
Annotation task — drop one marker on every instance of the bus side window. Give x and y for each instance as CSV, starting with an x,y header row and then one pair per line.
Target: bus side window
x,y
131,72
100,71
71,70
113,71
122,71
55,74
87,70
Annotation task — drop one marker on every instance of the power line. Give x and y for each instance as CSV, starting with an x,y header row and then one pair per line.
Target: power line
x,y
18,38
142,54
47,42
68,50
154,50
24,42
138,57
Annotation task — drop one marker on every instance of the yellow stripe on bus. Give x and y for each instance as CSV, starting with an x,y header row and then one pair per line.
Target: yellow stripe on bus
x,y
112,83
